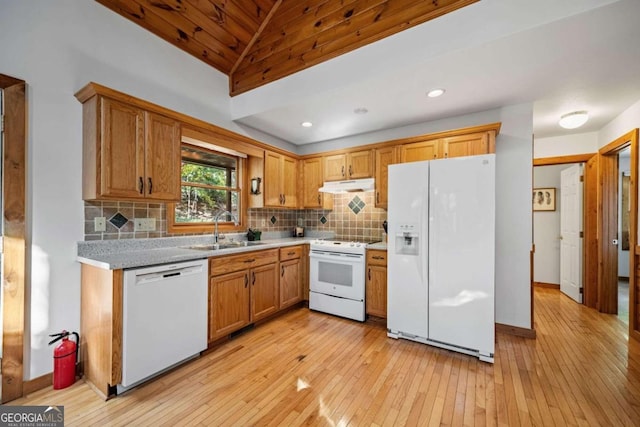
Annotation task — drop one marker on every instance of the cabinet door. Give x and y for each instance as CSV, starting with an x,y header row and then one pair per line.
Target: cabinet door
x,y
418,151
360,164
290,284
162,157
384,157
466,145
228,303
289,182
122,151
264,291
335,167
272,185
376,291
312,171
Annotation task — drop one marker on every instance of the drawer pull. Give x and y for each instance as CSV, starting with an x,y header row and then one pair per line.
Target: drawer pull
x,y
377,257
249,260
291,253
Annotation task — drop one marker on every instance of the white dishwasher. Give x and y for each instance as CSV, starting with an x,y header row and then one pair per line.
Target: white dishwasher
x,y
164,318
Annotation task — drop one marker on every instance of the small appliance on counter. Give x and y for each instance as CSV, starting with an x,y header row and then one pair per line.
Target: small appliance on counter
x,y
298,231
254,235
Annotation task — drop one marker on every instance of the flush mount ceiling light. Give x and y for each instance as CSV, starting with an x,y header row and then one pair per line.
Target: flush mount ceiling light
x,y
434,93
574,120
361,110
306,124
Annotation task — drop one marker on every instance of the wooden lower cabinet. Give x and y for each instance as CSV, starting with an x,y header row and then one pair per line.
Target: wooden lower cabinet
x,y
290,276
376,284
228,303
264,291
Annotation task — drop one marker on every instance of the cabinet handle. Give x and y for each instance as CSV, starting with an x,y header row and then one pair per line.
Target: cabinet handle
x,y
318,199
282,271
246,280
141,185
249,260
253,277
377,197
369,274
350,171
150,186
342,171
284,199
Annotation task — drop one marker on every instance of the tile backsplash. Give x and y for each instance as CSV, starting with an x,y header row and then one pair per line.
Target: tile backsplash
x,y
353,217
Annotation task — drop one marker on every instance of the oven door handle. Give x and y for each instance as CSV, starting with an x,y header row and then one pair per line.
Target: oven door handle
x,y
334,256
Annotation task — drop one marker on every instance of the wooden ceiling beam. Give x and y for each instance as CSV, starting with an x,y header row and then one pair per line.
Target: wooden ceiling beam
x,y
370,25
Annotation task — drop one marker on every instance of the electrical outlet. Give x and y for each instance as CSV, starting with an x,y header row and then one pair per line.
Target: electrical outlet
x,y
264,223
144,224
100,224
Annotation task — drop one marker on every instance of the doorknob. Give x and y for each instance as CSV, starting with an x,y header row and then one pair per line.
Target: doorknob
x,y
614,242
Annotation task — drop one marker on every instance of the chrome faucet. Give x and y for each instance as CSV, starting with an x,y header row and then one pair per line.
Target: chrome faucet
x,y
216,218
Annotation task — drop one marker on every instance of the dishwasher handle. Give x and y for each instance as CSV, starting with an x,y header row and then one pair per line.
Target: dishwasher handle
x,y
145,278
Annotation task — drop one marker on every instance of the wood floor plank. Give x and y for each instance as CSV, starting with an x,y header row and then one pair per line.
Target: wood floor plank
x,y
307,368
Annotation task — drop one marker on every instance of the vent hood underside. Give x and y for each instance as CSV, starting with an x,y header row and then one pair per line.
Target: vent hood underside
x,y
350,186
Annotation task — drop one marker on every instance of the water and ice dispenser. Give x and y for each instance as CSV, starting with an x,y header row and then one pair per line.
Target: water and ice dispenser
x,y
407,239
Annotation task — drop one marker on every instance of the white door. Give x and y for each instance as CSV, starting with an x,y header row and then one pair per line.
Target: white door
x,y
570,228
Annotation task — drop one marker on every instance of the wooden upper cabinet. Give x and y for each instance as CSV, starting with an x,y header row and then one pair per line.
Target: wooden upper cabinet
x,y
280,180
384,157
312,181
352,165
419,151
467,145
129,153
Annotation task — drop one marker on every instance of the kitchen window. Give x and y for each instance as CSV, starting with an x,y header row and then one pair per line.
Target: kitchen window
x,y
210,184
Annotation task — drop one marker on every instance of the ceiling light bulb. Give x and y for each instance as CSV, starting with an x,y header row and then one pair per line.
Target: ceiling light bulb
x,y
306,124
574,120
435,93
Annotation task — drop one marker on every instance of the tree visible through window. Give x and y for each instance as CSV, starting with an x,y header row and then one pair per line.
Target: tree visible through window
x,y
209,185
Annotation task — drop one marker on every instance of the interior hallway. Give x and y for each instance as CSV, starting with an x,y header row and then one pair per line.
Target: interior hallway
x,y
315,369
623,300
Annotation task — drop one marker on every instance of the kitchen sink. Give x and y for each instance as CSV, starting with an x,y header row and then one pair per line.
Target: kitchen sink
x,y
226,245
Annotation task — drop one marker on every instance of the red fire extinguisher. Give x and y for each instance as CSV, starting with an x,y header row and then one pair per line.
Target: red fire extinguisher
x,y
65,357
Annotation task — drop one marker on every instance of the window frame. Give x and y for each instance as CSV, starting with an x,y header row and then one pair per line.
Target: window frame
x,y
174,227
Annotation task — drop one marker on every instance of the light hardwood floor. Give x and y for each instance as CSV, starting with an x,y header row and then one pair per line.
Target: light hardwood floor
x,y
307,368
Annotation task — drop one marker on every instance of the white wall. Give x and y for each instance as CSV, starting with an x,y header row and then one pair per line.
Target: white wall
x,y
513,197
546,228
58,47
579,143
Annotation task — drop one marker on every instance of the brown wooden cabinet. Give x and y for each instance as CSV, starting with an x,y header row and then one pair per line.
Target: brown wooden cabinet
x,y
351,165
243,288
376,284
471,144
312,181
129,153
384,157
280,180
290,276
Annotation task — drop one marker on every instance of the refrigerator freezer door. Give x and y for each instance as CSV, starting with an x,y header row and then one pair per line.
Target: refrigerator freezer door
x,y
462,247
407,269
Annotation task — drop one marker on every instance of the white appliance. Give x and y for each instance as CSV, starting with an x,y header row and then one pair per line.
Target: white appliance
x,y
441,254
348,186
164,318
336,278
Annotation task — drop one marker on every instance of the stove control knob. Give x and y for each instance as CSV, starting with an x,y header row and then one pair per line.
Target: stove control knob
x,y
352,244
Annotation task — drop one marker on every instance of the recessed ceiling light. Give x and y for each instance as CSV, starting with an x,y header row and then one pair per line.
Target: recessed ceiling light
x,y
574,120
434,93
306,124
361,110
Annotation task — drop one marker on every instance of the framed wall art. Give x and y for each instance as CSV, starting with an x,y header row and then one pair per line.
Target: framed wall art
x,y
544,199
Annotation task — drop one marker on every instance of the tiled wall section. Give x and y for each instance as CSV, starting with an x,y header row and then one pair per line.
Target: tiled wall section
x,y
353,217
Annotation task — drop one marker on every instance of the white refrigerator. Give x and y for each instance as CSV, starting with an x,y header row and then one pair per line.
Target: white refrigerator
x,y
441,254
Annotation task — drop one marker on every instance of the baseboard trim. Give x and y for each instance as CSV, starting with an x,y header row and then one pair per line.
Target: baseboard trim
x,y
36,384
515,330
546,285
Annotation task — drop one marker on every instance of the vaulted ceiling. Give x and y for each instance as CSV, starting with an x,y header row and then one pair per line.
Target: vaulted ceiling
x,y
256,42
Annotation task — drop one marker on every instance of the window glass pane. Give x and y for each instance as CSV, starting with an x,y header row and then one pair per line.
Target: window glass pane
x,y
204,174
202,204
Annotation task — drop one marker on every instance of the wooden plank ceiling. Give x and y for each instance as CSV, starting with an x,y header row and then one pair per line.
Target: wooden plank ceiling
x,y
256,42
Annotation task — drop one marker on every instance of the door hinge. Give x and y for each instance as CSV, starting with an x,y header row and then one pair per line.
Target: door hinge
x,y
581,290
581,234
581,178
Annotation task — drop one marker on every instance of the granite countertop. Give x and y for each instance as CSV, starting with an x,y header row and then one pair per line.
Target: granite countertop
x,y
381,246
123,254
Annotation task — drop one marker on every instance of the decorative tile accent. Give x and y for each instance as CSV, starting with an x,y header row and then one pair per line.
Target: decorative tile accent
x,y
273,220
356,205
323,220
118,220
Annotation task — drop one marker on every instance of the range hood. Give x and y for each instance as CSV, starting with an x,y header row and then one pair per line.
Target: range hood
x,y
350,186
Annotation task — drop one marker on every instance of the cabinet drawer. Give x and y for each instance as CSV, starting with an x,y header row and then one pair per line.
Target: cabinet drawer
x,y
376,257
291,252
231,263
